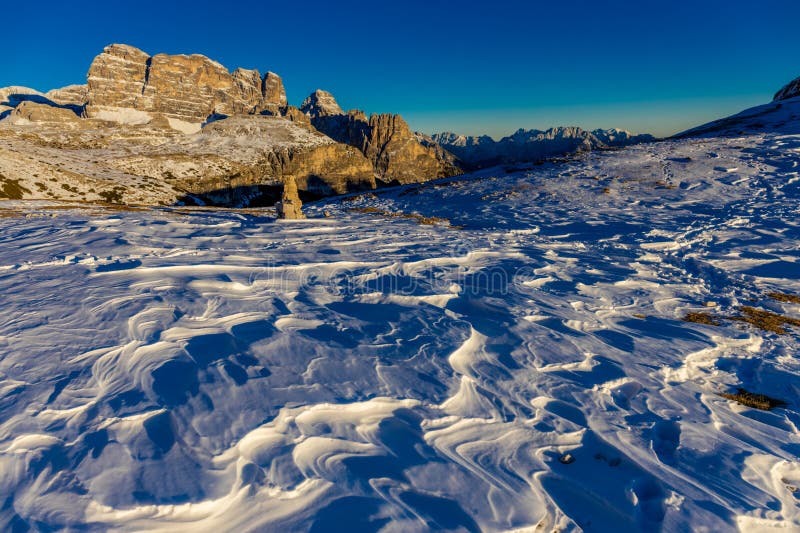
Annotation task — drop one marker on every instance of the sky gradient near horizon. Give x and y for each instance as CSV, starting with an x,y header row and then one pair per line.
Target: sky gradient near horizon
x,y
469,67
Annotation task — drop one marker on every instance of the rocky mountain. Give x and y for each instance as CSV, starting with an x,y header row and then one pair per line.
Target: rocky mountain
x,y
396,152
790,90
781,116
183,128
617,138
532,145
320,104
183,87
166,129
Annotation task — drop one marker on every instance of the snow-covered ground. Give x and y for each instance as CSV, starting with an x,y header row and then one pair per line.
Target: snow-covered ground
x,y
218,370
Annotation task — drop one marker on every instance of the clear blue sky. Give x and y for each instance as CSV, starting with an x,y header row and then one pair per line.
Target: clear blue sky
x,y
473,67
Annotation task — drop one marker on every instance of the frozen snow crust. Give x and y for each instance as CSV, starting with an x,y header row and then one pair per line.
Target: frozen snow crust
x,y
209,370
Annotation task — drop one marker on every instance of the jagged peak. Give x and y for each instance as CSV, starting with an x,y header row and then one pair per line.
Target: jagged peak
x,y
320,103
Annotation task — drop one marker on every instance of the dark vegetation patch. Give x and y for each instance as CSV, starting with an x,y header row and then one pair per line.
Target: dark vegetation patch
x,y
112,196
756,401
11,189
786,298
759,318
702,318
765,320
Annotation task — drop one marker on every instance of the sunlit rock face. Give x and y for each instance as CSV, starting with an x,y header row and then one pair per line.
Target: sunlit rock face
x,y
185,87
396,152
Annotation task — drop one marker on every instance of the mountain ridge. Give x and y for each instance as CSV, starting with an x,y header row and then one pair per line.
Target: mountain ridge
x,y
526,145
170,129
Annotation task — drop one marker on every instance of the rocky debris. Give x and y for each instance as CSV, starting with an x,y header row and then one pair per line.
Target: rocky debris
x,y
396,152
532,145
566,459
185,87
36,112
290,205
790,90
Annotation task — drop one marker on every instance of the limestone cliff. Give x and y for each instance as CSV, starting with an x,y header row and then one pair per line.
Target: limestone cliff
x,y
395,151
185,87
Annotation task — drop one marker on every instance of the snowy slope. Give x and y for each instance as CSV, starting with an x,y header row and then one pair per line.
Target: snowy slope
x,y
212,370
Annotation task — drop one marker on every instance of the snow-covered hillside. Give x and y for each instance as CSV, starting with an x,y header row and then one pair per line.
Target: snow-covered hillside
x,y
513,356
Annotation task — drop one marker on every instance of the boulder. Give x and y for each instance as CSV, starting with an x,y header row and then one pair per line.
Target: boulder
x,y
36,112
290,205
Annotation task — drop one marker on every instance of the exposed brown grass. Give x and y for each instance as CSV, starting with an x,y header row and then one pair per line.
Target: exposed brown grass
x,y
702,318
760,318
11,189
766,320
756,401
786,298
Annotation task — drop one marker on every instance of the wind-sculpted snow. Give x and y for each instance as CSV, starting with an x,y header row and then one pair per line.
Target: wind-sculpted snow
x,y
212,370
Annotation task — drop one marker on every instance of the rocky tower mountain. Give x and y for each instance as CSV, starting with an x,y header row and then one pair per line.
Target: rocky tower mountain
x,y
397,153
185,87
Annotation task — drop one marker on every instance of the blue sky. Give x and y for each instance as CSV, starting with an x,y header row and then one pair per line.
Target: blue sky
x,y
471,67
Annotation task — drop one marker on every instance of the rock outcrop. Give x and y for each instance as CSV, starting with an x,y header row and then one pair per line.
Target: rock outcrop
x,y
36,112
395,151
790,90
184,87
290,206
237,161
272,91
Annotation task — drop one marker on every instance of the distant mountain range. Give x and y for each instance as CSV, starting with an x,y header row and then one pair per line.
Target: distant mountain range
x,y
533,145
169,129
